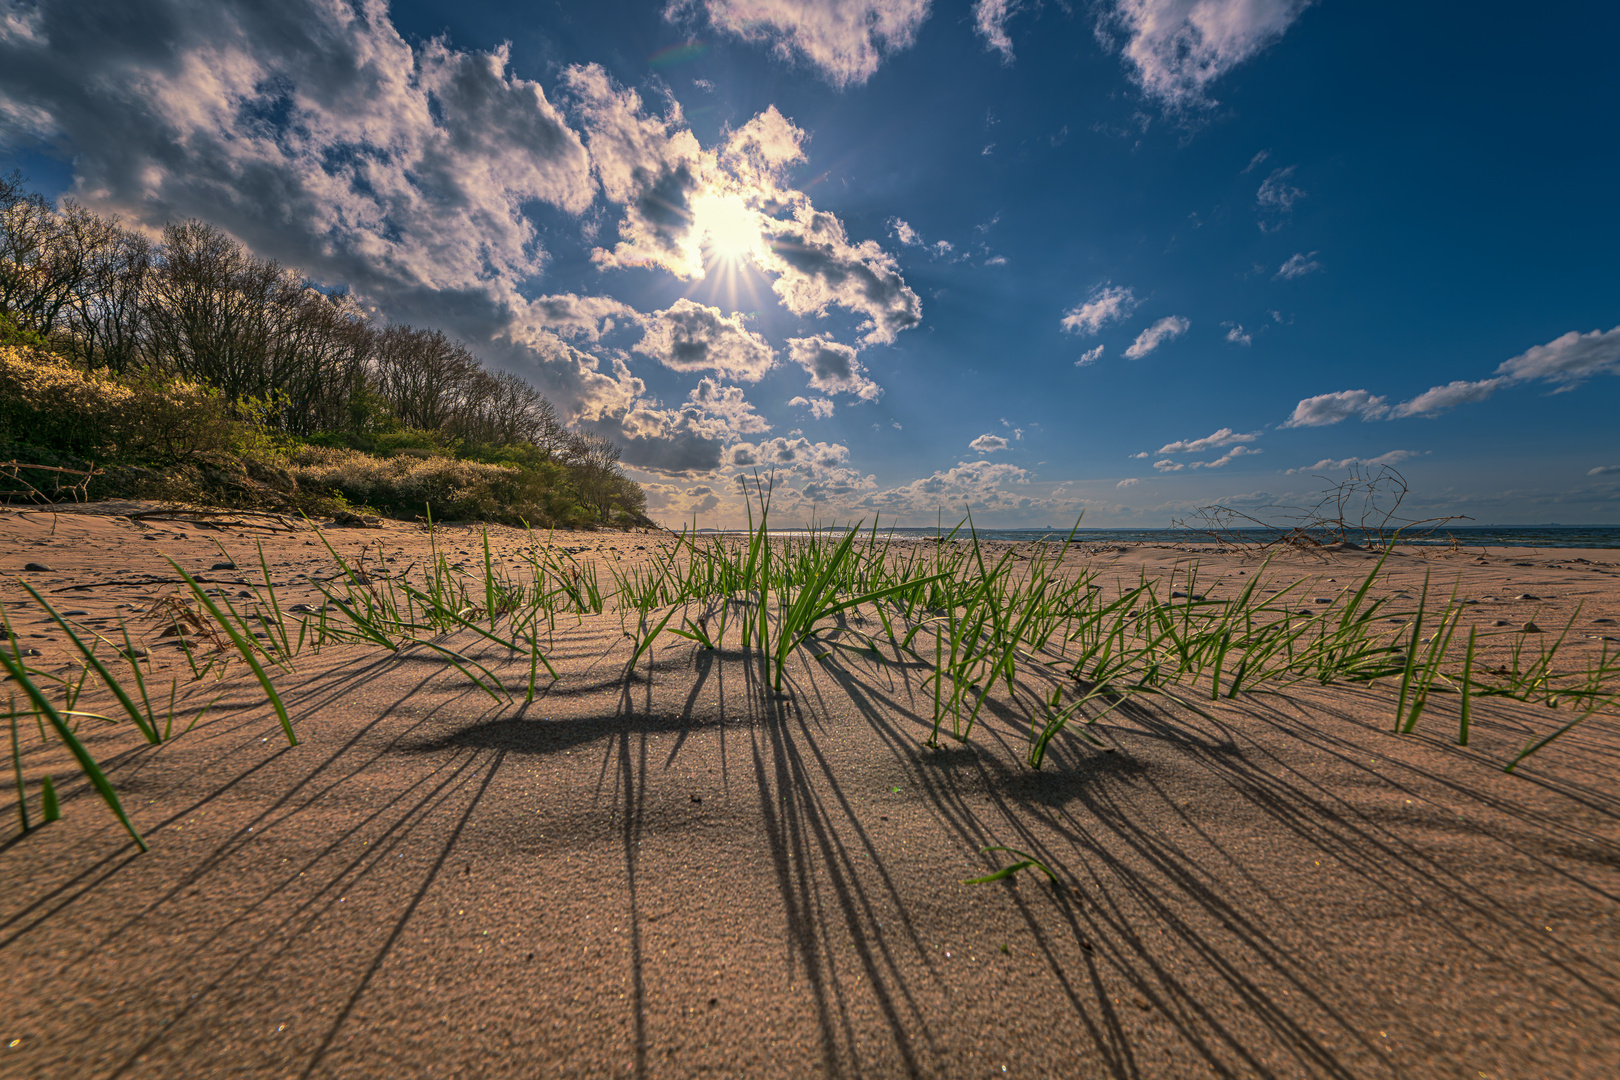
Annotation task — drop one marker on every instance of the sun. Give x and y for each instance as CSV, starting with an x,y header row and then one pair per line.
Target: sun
x,y
726,227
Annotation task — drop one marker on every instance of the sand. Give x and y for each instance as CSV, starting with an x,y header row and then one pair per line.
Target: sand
x,y
681,875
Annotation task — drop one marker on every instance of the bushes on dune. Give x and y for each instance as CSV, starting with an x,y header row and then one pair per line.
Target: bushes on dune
x,y
191,368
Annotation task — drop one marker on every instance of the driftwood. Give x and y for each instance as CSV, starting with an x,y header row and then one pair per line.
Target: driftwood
x,y
1361,513
195,516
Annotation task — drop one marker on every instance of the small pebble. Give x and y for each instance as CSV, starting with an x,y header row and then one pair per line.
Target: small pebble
x,y
223,566
1526,596
1532,628
39,568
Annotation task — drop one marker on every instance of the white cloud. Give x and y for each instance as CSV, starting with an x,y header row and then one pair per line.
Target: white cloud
x,y
1277,194
1297,266
1439,399
1566,361
1223,437
905,233
833,368
844,40
1166,329
1178,47
571,316
1090,356
990,20
728,404
310,130
1107,303
983,485
1169,466
1227,458
1256,161
988,444
1568,358
1393,457
1325,409
1237,335
651,165
1143,454
818,266
689,336
820,408
1128,483
1603,470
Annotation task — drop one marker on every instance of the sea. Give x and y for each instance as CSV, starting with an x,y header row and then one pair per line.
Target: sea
x,y
1472,536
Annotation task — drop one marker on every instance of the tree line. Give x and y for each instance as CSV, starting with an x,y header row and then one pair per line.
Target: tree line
x,y
197,305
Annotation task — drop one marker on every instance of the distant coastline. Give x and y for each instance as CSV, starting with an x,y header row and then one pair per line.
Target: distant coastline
x,y
1524,536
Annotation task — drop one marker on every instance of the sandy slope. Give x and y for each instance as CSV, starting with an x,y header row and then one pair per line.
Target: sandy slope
x,y
681,875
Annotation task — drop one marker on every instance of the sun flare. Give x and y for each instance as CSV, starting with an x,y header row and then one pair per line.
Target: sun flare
x,y
726,227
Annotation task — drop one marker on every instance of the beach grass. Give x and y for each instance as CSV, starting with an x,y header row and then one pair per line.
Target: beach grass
x,y
1051,639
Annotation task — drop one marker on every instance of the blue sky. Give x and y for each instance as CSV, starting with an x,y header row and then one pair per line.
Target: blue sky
x,y
1129,257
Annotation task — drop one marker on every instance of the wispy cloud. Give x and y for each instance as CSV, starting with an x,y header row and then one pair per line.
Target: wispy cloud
x,y
1237,335
1213,441
990,20
1603,470
1166,329
1128,482
1393,457
1297,266
1107,303
1227,458
1090,356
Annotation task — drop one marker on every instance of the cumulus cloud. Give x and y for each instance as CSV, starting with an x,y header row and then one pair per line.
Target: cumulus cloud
x,y
1297,266
1325,409
1090,356
817,266
728,404
1166,329
1129,482
1213,441
820,408
1393,457
571,316
1107,303
1176,48
833,367
1237,335
1167,465
689,336
988,444
311,130
983,485
843,40
649,164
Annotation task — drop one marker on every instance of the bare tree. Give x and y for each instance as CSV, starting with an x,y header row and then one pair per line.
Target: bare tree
x,y
423,375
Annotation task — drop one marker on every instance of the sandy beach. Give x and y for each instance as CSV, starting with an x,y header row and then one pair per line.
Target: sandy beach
x,y
674,872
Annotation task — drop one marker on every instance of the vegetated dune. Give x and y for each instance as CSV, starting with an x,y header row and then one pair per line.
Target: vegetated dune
x,y
467,867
